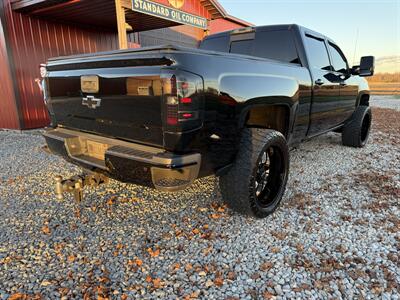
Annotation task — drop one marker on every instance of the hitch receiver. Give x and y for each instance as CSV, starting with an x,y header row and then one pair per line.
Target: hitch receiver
x,y
75,184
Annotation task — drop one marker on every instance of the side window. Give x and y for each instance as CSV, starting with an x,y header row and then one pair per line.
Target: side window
x,y
242,47
317,53
277,44
338,60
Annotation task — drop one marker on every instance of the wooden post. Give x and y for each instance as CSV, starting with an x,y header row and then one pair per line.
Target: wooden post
x,y
121,22
206,32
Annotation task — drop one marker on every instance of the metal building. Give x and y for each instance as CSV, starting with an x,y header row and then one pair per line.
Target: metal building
x,y
31,31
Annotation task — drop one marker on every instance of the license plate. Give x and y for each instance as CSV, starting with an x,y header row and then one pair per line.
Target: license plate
x,y
96,150
90,84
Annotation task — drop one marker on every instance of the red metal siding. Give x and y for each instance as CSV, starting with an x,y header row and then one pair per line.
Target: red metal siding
x,y
190,6
8,110
32,41
221,25
193,32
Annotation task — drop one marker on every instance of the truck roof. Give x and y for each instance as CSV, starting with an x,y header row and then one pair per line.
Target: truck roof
x,y
277,27
268,27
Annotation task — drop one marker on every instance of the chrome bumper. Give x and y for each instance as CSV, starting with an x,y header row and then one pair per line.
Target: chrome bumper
x,y
125,161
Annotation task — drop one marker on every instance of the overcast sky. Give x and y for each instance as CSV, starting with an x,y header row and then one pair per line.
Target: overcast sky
x,y
376,21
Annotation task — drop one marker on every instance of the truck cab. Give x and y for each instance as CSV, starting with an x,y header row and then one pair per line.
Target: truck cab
x,y
334,91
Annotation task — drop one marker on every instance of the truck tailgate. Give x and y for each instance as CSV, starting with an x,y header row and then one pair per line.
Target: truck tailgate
x,y
124,103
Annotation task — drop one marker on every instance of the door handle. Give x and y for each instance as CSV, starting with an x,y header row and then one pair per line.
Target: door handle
x,y
319,81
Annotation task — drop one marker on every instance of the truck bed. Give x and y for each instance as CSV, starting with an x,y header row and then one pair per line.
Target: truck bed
x,y
155,52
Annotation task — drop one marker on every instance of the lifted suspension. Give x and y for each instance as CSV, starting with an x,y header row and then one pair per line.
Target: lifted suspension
x,y
75,184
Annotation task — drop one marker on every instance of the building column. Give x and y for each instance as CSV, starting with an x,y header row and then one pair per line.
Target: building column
x,y
121,23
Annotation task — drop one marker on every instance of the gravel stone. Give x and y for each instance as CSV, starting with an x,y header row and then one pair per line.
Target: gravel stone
x,y
336,234
391,102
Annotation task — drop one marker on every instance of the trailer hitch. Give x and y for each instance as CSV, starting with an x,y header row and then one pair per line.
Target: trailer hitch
x,y
75,184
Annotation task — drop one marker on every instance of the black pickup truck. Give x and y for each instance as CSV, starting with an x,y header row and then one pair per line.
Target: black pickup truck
x,y
164,116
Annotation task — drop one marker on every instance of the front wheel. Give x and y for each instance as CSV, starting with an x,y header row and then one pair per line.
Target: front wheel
x,y
356,131
256,182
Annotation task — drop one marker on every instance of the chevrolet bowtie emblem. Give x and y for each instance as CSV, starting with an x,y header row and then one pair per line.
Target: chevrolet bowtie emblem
x,y
91,102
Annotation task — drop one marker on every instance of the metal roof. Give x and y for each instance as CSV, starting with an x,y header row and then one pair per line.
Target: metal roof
x,y
101,13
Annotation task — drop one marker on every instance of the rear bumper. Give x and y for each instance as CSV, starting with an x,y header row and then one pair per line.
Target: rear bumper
x,y
125,161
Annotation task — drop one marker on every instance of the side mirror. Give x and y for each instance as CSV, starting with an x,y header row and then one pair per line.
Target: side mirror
x,y
367,66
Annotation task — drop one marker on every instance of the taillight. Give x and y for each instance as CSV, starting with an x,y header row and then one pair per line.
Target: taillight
x,y
187,115
172,101
182,96
186,100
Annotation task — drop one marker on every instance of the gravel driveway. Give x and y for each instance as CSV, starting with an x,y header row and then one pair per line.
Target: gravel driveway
x,y
336,234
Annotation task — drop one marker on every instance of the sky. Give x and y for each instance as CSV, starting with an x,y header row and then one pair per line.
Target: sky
x,y
369,27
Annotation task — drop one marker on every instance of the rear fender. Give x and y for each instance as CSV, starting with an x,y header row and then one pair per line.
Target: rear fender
x,y
252,91
264,89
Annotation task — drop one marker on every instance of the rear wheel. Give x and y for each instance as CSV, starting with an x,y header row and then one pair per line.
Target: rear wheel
x,y
257,181
356,132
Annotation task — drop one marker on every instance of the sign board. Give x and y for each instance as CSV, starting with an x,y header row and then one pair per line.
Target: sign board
x,y
168,13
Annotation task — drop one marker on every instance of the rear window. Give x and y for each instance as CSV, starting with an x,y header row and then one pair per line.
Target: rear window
x,y
277,45
242,47
216,43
